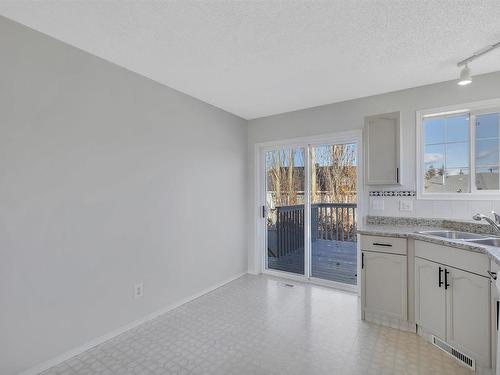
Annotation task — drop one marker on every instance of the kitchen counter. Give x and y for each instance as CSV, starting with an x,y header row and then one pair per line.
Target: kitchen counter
x,y
391,229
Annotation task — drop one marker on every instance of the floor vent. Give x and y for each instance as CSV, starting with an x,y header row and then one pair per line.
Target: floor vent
x,y
458,355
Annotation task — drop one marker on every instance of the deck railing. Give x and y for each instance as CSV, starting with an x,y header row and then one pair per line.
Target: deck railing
x,y
329,221
289,229
334,221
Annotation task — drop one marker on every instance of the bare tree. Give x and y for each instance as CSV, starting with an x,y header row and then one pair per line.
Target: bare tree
x,y
335,174
284,178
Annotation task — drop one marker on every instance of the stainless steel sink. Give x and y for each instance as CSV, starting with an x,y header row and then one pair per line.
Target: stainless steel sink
x,y
453,235
487,241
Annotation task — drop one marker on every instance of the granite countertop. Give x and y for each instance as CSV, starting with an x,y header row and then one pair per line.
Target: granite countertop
x,y
408,229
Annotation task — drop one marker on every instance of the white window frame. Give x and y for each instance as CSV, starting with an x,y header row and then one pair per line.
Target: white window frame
x,y
474,108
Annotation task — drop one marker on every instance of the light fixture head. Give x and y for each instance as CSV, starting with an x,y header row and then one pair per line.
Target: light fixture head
x,y
465,77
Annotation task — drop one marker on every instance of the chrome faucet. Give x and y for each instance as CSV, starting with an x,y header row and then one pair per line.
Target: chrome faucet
x,y
494,223
496,216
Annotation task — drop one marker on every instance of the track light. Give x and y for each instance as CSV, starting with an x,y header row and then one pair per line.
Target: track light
x,y
465,77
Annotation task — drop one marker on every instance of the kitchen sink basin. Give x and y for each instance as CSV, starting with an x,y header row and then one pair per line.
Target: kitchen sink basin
x,y
453,235
487,241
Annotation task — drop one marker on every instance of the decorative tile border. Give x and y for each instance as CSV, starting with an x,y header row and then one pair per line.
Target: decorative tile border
x,y
398,193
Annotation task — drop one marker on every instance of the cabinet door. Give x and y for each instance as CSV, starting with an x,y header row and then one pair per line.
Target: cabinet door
x,y
384,284
382,149
430,298
468,317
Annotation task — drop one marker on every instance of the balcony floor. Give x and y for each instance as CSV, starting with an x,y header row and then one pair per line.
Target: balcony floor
x,y
331,260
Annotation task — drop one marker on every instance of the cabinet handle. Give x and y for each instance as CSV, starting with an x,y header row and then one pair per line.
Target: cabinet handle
x,y
381,244
498,308
446,272
362,260
440,273
397,175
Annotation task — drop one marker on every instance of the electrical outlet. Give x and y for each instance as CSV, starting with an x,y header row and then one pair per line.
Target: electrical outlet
x,y
138,290
405,205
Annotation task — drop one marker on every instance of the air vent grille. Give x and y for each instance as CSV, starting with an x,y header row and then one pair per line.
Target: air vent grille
x,y
458,355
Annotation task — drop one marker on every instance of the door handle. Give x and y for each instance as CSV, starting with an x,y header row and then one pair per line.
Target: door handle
x,y
440,274
446,272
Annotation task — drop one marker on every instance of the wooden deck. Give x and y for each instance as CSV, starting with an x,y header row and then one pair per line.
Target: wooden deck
x,y
331,260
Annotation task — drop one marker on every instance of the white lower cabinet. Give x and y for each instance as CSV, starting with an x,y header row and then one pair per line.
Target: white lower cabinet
x,y
468,313
384,286
430,299
454,305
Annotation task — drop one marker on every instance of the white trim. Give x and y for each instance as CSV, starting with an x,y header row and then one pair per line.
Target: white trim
x,y
285,275
333,284
473,108
312,281
472,155
351,136
341,137
307,212
99,340
463,107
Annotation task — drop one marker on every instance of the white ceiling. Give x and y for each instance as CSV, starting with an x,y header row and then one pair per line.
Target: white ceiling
x,y
257,58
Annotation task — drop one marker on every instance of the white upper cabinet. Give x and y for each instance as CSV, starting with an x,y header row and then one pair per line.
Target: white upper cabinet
x,y
382,149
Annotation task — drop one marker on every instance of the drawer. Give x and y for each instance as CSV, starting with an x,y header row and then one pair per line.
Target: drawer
x,y
451,256
381,244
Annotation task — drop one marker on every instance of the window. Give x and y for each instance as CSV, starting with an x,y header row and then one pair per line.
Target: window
x,y
458,152
486,156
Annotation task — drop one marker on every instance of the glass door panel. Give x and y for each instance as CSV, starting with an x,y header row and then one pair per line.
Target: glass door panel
x,y
284,195
333,212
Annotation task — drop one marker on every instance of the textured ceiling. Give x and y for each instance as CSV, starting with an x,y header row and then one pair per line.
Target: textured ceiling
x,y
257,58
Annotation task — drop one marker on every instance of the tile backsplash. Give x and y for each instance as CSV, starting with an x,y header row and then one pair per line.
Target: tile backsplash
x,y
453,209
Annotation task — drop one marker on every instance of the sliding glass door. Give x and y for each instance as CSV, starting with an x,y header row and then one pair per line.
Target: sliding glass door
x,y
310,210
284,194
333,212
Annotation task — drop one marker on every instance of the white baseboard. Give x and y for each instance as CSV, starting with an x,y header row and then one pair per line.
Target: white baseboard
x,y
389,321
99,340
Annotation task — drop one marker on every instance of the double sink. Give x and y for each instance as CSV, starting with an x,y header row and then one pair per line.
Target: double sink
x,y
480,239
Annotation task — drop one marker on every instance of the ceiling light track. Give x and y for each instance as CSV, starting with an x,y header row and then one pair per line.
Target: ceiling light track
x,y
481,52
465,76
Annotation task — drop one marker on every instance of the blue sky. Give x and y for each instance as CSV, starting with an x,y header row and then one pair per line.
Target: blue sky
x,y
447,141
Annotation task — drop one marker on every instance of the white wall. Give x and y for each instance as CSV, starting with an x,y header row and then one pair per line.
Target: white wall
x,y
107,179
350,115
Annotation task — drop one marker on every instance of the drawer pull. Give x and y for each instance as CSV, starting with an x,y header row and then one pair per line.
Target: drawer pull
x,y
381,244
